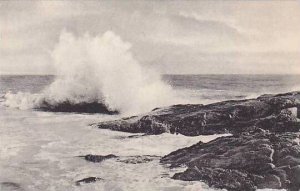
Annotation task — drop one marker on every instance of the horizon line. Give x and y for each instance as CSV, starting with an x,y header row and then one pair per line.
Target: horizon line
x,y
29,74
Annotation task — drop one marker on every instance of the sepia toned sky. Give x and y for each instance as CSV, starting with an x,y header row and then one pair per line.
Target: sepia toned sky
x,y
181,37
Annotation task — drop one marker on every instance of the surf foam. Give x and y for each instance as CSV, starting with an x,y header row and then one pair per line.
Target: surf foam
x,y
98,69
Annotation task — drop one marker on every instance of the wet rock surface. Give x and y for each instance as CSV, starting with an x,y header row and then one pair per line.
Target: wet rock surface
x,y
269,112
98,158
87,180
85,107
263,151
242,162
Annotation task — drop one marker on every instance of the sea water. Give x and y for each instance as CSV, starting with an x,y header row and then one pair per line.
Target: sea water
x,y
38,150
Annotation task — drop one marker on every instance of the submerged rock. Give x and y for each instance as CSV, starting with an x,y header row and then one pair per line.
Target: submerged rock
x,y
98,158
138,159
87,180
10,186
269,112
126,159
242,162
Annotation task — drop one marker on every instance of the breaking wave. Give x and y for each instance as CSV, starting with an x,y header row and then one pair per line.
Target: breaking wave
x,y
96,72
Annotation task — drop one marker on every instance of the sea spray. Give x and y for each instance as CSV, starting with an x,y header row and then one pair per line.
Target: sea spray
x,y
98,69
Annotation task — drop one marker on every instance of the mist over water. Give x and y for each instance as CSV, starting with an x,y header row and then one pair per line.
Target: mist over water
x,y
98,69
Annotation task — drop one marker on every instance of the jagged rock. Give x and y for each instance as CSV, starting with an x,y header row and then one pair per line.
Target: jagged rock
x,y
242,162
87,180
269,112
98,158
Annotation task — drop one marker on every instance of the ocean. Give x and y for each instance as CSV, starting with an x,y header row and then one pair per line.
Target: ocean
x,y
39,150
197,88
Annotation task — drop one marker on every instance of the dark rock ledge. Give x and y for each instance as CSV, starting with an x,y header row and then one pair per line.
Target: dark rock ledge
x,y
68,106
243,162
276,113
263,152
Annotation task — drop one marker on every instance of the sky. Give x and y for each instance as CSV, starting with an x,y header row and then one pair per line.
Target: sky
x,y
174,37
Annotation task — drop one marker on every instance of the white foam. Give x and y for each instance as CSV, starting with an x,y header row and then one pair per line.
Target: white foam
x,y
21,100
100,69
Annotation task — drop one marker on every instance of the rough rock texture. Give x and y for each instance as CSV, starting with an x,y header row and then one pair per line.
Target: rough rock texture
x,y
87,180
98,158
263,152
243,162
269,112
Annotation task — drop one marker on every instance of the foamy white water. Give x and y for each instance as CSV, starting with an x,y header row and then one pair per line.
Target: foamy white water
x,y
38,152
98,69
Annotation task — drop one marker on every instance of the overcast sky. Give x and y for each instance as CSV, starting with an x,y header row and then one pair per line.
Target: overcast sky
x,y
173,36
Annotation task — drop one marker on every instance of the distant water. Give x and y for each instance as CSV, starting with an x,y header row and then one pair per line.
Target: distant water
x,y
24,83
38,149
197,88
210,88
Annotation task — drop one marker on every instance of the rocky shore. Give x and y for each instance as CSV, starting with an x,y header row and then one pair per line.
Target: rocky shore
x,y
276,113
263,151
245,162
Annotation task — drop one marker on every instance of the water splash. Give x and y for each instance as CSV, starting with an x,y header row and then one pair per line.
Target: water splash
x,y
98,69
